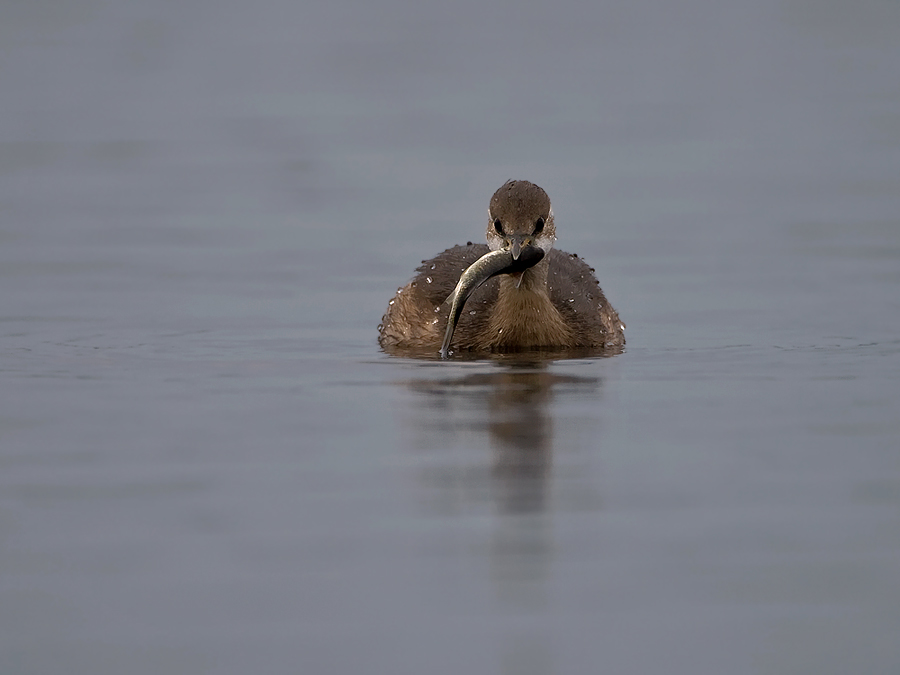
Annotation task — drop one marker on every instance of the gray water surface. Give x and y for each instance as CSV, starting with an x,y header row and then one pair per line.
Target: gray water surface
x,y
207,465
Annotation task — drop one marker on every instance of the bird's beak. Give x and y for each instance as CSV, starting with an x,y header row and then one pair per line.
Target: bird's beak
x,y
516,244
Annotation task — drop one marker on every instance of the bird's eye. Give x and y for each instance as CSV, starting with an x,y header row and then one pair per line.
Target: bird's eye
x,y
498,226
538,226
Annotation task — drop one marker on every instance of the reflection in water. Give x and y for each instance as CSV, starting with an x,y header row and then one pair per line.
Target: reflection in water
x,y
509,411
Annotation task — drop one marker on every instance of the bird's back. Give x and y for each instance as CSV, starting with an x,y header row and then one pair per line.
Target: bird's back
x,y
416,317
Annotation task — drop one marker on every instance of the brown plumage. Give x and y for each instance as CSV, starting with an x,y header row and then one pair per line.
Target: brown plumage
x,y
556,304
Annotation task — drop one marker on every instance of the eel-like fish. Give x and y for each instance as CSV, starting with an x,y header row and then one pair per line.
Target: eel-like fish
x,y
487,266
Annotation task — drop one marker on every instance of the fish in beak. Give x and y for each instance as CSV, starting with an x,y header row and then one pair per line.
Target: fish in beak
x,y
514,261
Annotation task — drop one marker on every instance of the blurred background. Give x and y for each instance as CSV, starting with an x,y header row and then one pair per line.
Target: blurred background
x,y
208,466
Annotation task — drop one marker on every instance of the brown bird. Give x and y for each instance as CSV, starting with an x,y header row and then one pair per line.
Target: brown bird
x,y
542,299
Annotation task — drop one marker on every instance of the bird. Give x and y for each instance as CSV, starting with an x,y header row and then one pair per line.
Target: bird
x,y
515,293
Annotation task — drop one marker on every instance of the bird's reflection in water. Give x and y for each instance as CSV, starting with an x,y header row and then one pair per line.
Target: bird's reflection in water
x,y
487,443
501,423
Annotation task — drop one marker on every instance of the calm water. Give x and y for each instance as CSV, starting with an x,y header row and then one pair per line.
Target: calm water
x,y
207,466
